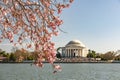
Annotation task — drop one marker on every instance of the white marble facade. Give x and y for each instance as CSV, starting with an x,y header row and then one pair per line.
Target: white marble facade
x,y
74,48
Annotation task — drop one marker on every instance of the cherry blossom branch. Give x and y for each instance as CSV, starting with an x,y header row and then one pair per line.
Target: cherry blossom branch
x,y
35,21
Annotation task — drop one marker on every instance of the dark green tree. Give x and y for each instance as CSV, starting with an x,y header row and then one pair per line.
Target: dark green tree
x,y
117,57
91,54
12,57
58,55
3,53
30,57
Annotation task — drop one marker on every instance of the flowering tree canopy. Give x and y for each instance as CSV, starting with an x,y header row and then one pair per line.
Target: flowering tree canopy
x,y
32,21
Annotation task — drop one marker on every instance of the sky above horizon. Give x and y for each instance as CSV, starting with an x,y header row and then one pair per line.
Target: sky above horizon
x,y
96,23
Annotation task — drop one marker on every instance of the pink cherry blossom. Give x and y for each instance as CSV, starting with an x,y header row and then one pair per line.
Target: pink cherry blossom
x,y
35,21
57,68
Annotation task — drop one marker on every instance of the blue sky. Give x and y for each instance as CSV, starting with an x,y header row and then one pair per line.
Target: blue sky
x,y
96,23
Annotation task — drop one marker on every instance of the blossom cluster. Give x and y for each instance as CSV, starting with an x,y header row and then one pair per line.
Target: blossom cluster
x,y
35,21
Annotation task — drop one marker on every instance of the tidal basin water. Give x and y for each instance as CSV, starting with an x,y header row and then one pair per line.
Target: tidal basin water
x,y
79,71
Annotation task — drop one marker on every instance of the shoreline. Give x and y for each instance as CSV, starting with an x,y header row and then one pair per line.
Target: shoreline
x,y
62,62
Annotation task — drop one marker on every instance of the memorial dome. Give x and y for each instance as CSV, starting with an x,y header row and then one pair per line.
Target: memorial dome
x,y
75,43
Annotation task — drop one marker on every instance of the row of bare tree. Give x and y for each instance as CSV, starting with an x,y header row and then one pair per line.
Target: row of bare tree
x,y
110,55
19,55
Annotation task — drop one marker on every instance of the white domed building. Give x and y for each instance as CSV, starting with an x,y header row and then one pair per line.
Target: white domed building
x,y
74,48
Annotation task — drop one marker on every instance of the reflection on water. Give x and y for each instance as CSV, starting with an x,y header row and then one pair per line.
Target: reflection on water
x,y
69,72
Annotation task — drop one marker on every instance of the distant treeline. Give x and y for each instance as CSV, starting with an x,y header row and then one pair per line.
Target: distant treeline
x,y
110,55
18,55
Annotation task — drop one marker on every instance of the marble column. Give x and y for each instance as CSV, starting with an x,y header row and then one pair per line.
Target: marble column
x,y
70,52
79,52
67,52
76,51
82,52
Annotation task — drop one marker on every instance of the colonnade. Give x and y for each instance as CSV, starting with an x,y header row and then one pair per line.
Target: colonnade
x,y
73,52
